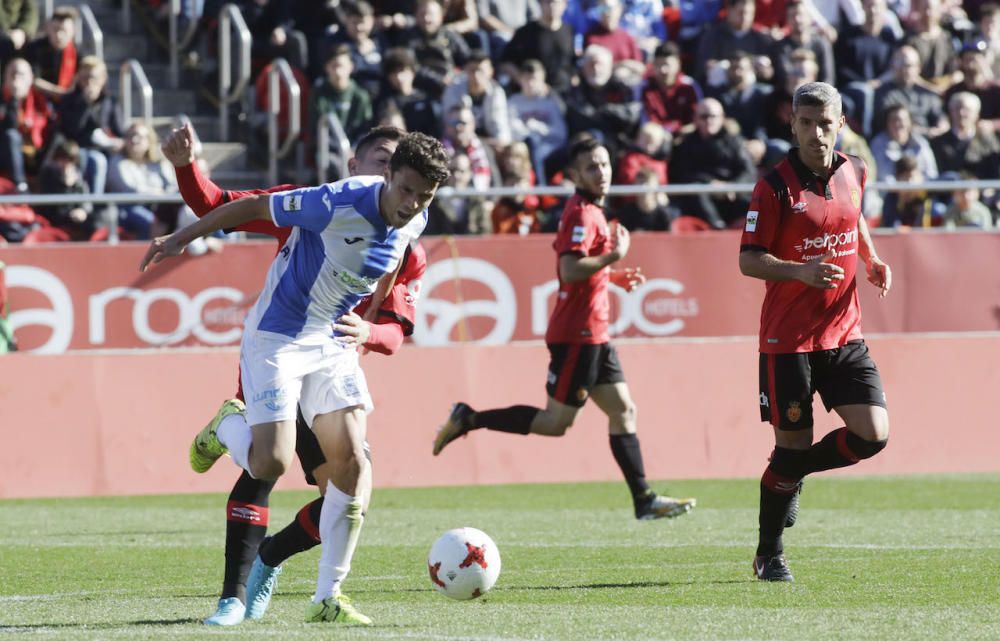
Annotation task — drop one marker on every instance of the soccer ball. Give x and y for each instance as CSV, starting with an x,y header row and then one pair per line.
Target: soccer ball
x,y
464,563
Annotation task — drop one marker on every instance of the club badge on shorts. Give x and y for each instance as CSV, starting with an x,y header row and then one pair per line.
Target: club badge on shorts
x,y
794,412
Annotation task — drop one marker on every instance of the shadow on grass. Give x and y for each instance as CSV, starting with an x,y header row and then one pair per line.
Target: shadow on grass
x,y
582,586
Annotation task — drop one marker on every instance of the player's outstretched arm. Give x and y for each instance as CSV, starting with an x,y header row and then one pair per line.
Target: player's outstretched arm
x,y
228,216
879,273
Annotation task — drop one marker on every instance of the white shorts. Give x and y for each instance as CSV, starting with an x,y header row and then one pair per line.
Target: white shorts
x,y
278,375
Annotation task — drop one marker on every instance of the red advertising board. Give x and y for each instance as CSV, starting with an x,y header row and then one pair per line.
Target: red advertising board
x,y
490,290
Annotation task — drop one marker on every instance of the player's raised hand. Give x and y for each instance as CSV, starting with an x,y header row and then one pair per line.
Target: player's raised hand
x,y
629,278
822,272
620,239
160,248
354,331
880,275
178,147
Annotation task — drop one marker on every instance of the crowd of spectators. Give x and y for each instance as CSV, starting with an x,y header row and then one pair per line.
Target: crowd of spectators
x,y
506,84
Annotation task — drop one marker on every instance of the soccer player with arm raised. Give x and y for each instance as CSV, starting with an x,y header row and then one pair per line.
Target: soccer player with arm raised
x,y
347,235
247,508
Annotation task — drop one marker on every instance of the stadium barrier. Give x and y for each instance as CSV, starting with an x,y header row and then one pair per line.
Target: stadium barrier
x,y
120,423
485,290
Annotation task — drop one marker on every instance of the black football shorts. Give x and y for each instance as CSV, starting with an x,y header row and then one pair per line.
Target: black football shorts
x,y
843,376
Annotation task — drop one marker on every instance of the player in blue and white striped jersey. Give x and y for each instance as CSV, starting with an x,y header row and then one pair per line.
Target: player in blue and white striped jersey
x,y
347,236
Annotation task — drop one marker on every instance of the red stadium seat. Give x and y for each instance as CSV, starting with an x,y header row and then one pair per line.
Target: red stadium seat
x,y
45,235
688,224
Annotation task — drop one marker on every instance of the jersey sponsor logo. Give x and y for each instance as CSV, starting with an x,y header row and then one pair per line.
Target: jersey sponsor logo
x,y
354,282
794,412
828,241
752,217
291,203
579,233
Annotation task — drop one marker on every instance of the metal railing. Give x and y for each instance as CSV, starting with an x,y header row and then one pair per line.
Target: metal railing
x,y
178,42
280,72
495,192
87,28
229,92
47,9
132,69
329,129
125,17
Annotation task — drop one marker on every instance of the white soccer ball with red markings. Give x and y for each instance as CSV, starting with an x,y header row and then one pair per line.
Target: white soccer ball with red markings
x,y
464,563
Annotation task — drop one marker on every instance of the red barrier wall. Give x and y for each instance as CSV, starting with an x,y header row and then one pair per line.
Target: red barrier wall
x,y
494,290
92,424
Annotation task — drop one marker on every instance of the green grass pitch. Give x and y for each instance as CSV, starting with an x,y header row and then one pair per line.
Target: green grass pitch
x,y
874,559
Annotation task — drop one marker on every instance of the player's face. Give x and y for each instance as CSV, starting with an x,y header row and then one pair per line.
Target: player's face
x,y
592,172
375,160
407,194
816,130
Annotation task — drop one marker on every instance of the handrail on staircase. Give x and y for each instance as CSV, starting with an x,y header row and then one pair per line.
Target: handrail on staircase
x,y
88,26
329,128
178,42
279,72
132,69
229,92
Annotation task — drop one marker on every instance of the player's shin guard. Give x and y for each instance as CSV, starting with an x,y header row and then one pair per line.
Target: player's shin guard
x,y
514,420
246,525
777,489
298,536
840,448
628,455
340,526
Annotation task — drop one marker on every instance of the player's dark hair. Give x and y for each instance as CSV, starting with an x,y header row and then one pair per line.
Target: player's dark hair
x,y
585,144
422,154
384,132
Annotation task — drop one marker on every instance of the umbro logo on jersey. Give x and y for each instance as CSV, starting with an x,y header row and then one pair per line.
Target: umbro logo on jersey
x,y
351,241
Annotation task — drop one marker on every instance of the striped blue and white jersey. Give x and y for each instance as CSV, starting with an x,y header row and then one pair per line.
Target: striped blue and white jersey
x,y
338,250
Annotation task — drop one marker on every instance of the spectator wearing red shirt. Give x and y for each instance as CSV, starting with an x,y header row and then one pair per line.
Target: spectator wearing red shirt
x,y
54,56
669,97
584,364
609,34
804,234
25,119
649,152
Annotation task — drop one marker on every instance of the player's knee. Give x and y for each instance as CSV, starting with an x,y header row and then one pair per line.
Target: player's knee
x,y
624,422
865,449
561,425
271,469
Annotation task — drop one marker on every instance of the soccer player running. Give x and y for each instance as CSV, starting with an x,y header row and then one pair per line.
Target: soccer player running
x,y
804,233
247,508
347,236
583,362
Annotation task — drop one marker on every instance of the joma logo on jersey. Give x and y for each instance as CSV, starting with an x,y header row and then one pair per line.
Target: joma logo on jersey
x,y
829,241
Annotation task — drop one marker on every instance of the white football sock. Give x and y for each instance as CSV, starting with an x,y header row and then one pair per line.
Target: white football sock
x,y
340,524
236,435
